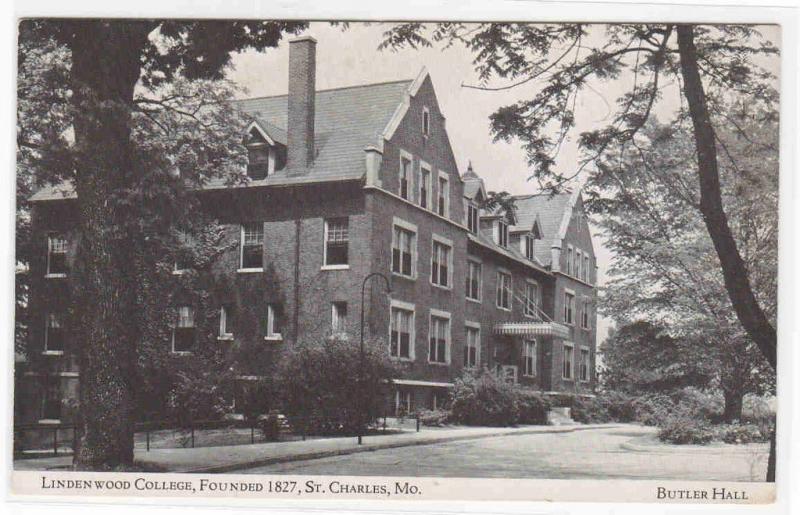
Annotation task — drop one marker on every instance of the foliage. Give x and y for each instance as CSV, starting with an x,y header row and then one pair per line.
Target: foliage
x,y
484,398
325,390
533,407
642,358
590,411
742,433
434,418
197,394
682,429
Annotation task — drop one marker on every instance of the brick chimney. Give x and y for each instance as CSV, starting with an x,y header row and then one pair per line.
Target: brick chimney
x,y
302,88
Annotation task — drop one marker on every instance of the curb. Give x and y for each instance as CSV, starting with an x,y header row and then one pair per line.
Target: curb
x,y
659,448
230,467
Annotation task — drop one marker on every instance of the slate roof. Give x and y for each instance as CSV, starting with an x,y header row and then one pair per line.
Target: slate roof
x,y
550,210
346,121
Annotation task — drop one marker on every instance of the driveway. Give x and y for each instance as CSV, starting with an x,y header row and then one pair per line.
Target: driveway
x,y
608,453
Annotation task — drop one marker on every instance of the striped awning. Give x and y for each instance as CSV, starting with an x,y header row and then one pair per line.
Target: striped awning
x,y
532,329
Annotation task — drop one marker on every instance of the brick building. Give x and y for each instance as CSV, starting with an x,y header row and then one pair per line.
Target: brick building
x,y
345,182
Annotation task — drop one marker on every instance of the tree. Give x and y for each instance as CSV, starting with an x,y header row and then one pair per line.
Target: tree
x,y
122,72
709,64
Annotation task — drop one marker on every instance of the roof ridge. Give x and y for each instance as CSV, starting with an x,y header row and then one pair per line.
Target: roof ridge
x,y
332,89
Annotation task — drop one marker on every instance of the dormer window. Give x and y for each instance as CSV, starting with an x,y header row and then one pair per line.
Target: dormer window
x,y
265,155
501,236
530,246
472,218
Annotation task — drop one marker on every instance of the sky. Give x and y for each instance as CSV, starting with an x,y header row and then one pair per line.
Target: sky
x,y
350,57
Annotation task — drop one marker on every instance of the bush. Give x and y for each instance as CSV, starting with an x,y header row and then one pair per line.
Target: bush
x,y
433,418
682,429
320,386
653,409
197,394
590,411
533,408
484,399
700,404
741,433
270,426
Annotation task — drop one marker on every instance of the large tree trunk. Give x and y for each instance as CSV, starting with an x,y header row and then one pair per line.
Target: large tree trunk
x,y
752,318
733,405
105,69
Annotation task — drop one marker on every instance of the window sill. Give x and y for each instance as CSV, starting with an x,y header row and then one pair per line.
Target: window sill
x,y
406,277
225,338
335,267
476,301
249,270
398,358
439,286
274,338
52,353
571,380
55,276
438,364
182,352
50,421
529,376
180,272
503,309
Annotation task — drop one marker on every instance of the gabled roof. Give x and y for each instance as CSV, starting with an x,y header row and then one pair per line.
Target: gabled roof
x,y
346,121
473,184
550,211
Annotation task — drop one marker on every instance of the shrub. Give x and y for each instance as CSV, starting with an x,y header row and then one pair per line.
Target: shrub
x,y
433,418
653,409
740,433
700,404
533,408
682,429
484,399
270,426
321,390
197,394
590,410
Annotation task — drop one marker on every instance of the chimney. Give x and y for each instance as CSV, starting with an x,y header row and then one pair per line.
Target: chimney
x,y
302,89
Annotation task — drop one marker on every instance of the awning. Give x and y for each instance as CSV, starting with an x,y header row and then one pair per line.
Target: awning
x,y
532,329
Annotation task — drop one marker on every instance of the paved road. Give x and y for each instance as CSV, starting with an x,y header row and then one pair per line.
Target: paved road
x,y
587,454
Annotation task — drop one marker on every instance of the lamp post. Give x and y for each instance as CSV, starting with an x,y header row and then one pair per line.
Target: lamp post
x,y
361,409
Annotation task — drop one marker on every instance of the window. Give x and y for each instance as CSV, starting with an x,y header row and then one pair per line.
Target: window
x,y
584,365
472,347
503,290
472,218
569,260
474,280
274,322
426,122
529,358
569,307
51,397
403,250
586,275
585,315
578,264
529,246
182,256
566,369
444,195
225,323
502,233
405,174
339,317
402,330
336,241
509,373
440,264
439,334
425,185
183,331
402,402
531,299
56,255
252,246
53,334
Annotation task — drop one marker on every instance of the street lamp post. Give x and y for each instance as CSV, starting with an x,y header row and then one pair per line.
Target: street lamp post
x,y
362,406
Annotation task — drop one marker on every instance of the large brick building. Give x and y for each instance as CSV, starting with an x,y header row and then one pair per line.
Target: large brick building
x,y
345,182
